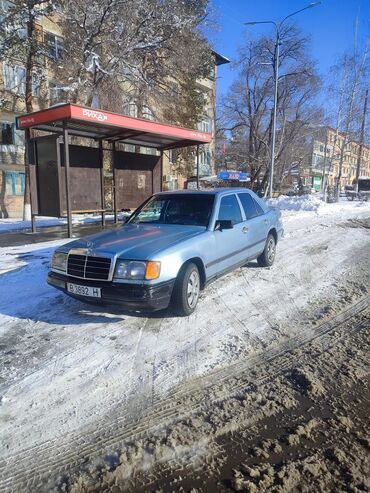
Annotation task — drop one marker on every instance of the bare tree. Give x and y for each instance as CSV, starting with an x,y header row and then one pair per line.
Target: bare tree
x,y
135,45
249,103
347,92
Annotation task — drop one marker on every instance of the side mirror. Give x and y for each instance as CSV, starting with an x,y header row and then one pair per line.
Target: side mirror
x,y
223,224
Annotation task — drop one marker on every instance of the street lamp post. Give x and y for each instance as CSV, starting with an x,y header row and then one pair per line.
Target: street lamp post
x,y
276,79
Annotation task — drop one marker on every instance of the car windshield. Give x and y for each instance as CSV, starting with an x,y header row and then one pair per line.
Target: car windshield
x,y
186,209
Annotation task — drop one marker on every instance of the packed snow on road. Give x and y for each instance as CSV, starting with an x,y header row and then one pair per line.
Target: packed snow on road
x,y
92,398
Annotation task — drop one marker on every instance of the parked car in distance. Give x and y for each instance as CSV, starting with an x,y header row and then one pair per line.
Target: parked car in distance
x,y
170,248
361,191
292,192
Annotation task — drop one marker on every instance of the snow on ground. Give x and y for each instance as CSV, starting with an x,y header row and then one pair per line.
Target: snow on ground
x,y
7,225
65,365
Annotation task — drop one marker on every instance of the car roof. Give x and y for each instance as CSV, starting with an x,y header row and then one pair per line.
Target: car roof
x,y
213,191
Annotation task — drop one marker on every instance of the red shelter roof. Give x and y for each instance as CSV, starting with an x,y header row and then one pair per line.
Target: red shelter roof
x,y
99,124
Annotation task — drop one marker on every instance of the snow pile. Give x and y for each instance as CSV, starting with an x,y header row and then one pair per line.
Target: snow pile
x,y
313,203
297,203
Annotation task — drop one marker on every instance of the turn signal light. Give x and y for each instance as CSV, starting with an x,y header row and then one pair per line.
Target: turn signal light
x,y
153,270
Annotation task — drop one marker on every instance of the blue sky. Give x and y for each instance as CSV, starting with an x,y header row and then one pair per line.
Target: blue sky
x,y
330,26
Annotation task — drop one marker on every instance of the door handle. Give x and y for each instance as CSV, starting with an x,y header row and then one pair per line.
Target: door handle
x,y
244,229
265,221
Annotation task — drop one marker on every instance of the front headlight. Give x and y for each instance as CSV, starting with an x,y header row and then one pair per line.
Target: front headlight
x,y
59,261
133,269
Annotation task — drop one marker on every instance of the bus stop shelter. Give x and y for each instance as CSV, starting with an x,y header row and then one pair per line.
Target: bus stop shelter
x,y
67,179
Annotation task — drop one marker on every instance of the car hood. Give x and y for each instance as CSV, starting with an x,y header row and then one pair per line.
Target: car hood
x,y
135,241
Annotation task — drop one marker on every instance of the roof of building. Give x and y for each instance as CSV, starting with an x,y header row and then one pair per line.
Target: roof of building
x,y
104,125
220,59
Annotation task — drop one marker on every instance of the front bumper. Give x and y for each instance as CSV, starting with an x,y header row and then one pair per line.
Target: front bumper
x,y
132,297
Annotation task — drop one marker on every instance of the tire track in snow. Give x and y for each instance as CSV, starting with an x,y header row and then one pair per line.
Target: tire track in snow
x,y
57,457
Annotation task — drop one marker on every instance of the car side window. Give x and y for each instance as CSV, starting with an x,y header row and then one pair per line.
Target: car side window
x,y
229,209
250,206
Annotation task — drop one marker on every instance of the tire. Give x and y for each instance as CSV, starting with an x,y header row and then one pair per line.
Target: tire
x,y
267,257
186,290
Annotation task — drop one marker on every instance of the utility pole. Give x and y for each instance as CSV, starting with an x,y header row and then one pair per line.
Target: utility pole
x,y
362,137
276,75
323,184
277,26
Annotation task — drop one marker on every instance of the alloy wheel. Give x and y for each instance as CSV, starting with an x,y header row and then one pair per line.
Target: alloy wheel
x,y
193,288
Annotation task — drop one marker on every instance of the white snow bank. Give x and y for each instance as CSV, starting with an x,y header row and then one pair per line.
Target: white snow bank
x,y
7,225
301,203
313,203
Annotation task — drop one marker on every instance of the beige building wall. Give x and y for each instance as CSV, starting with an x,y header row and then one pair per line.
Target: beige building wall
x,y
326,150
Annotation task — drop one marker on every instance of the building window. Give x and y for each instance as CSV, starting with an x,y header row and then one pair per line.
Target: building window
x,y
7,135
95,102
14,182
36,85
205,125
57,93
147,113
130,109
204,157
205,161
11,26
15,78
54,46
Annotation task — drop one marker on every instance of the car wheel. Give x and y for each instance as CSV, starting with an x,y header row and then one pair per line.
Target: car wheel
x,y
267,257
186,290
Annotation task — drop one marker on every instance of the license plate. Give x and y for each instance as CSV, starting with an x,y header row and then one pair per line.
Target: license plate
x,y
84,290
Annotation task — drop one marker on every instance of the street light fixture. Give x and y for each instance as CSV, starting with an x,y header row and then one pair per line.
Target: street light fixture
x,y
276,77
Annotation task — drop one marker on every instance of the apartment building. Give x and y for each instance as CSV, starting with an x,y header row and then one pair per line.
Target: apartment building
x,y
324,159
47,91
173,176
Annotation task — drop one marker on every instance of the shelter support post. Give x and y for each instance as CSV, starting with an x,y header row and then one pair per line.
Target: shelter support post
x,y
197,167
28,144
66,167
161,164
101,159
33,222
114,184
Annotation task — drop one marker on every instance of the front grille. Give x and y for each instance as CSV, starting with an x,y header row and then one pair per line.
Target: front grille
x,y
89,267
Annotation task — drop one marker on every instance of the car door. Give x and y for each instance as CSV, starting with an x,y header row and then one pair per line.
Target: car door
x,y
229,244
256,223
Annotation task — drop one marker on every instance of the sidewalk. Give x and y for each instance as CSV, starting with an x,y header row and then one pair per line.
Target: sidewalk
x,y
25,236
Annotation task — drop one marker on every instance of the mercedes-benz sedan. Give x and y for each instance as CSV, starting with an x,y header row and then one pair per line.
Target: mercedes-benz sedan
x,y
171,247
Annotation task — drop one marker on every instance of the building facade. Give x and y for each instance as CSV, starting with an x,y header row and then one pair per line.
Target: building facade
x,y
327,149
47,91
174,177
